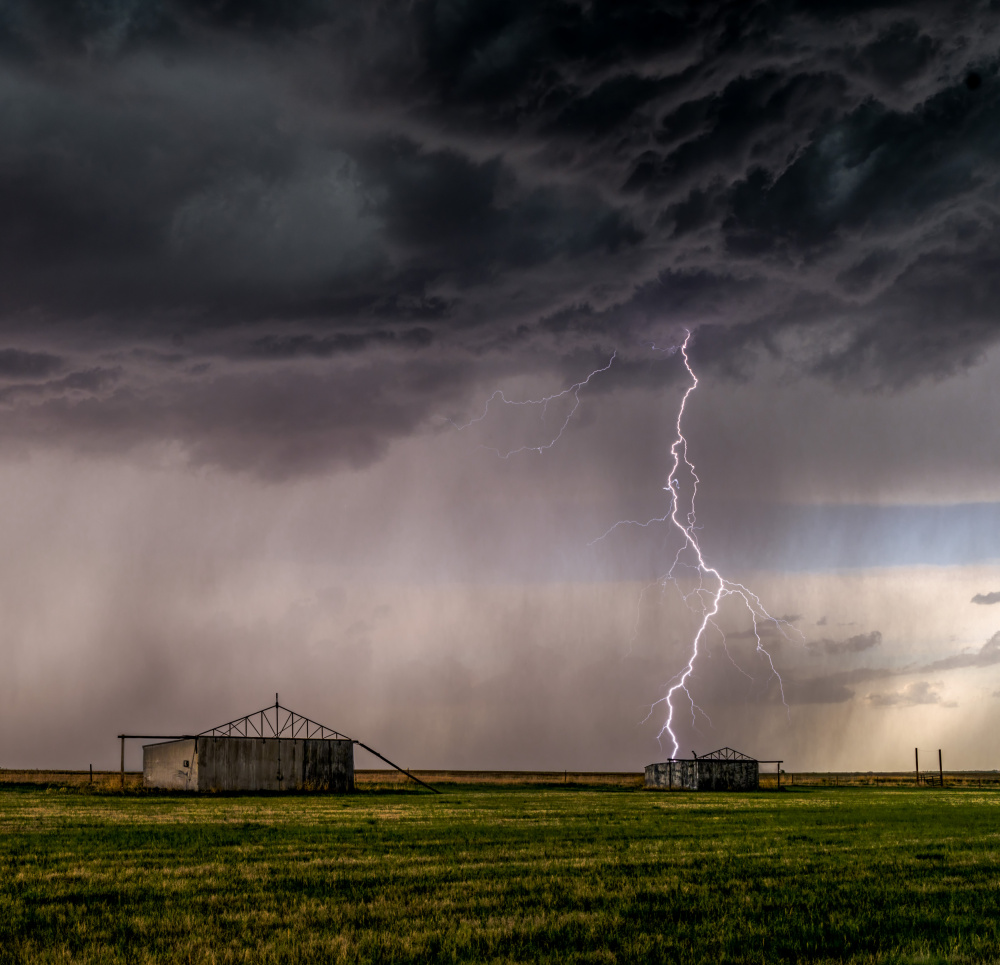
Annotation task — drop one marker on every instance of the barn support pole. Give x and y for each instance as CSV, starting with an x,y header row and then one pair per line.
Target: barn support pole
x,y
123,763
277,736
940,768
398,768
916,761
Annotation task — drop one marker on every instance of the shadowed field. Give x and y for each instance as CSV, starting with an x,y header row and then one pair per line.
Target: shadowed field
x,y
505,874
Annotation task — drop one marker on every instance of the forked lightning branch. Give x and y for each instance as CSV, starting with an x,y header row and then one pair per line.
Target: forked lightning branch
x,y
708,587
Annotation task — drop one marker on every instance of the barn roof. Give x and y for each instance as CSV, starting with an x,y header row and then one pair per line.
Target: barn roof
x,y
274,721
726,754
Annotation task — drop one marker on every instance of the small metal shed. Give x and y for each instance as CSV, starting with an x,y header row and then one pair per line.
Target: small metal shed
x,y
722,770
274,749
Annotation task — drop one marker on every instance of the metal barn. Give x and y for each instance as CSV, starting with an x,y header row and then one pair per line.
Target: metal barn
x,y
274,749
721,770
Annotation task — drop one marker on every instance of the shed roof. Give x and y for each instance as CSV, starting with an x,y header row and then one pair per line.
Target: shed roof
x,y
726,754
274,721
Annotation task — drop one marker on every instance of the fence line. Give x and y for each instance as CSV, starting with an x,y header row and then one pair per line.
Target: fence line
x,y
371,777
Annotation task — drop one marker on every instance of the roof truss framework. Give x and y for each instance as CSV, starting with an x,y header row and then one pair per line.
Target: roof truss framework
x,y
722,754
725,754
274,721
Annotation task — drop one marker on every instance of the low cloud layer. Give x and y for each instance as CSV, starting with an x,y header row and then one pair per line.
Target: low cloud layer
x,y
856,644
987,599
987,656
841,685
916,694
200,204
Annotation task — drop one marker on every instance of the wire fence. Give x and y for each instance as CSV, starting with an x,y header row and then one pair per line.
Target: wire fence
x,y
588,778
375,778
98,780
985,779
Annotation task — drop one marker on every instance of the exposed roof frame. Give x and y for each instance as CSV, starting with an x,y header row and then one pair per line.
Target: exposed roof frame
x,y
274,721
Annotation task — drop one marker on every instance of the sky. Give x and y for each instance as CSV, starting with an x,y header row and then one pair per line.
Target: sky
x,y
266,266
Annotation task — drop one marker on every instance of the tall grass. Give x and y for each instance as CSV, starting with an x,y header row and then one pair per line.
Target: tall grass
x,y
500,874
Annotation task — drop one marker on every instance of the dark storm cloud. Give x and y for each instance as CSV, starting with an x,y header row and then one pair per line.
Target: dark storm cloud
x,y
277,424
292,346
495,183
15,364
987,599
88,383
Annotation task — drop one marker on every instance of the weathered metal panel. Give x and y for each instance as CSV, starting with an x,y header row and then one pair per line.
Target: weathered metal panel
x,y
727,775
673,774
657,775
171,766
249,764
326,765
232,764
704,775
252,764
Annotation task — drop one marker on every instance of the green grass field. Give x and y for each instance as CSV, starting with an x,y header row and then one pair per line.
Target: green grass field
x,y
505,874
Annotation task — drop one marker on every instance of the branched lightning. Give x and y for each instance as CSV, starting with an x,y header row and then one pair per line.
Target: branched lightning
x,y
573,390
711,587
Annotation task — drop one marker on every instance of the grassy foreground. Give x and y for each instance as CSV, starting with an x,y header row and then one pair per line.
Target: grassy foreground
x,y
501,874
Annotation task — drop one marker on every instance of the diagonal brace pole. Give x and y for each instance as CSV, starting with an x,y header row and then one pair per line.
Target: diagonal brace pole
x,y
398,768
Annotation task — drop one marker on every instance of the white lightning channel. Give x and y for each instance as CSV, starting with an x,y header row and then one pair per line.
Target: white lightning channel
x,y
573,390
712,588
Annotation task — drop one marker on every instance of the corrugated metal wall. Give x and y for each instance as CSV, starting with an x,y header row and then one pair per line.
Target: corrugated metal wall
x,y
250,764
704,775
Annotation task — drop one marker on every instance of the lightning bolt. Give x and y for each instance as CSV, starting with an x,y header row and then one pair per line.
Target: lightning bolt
x,y
711,587
573,390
